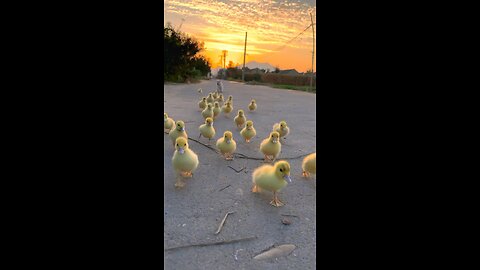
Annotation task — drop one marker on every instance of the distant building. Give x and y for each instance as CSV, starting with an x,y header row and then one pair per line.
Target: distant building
x,y
254,71
289,72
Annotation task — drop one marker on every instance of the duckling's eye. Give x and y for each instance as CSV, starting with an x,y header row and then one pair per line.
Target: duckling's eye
x,y
281,170
177,144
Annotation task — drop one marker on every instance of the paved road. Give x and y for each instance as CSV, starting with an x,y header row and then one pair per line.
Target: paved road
x,y
193,214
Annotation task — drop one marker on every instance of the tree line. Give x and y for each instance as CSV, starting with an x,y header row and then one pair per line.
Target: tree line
x,y
182,61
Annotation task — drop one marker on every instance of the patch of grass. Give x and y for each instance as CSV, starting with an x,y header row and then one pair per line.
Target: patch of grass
x,y
294,87
285,86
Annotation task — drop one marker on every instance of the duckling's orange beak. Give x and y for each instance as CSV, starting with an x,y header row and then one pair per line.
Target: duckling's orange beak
x,y
181,150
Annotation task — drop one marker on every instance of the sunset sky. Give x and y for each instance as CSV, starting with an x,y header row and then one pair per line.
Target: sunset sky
x,y
269,23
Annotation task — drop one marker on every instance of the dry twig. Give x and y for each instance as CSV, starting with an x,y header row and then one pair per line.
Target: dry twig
x,y
236,170
214,243
288,215
224,188
223,221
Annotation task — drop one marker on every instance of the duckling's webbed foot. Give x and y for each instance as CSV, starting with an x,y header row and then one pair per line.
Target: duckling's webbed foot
x,y
179,183
255,189
305,174
276,202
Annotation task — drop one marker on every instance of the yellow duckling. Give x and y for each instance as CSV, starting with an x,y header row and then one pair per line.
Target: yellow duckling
x,y
227,108
199,90
309,165
207,130
178,131
248,132
253,105
227,145
184,161
272,178
240,119
230,99
210,98
282,129
208,112
203,103
216,109
168,122
215,95
271,146
220,98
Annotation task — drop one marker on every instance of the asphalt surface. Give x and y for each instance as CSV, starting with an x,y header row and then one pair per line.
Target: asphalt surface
x,y
193,214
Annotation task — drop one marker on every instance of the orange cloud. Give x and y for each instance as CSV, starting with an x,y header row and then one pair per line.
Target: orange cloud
x,y
221,25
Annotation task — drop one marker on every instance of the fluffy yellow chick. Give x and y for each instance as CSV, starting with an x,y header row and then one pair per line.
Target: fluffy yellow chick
x,y
199,90
240,119
184,161
248,132
271,146
227,145
215,95
309,165
207,130
168,122
203,103
227,108
253,105
272,178
208,112
178,131
230,99
282,129
210,98
220,98
216,109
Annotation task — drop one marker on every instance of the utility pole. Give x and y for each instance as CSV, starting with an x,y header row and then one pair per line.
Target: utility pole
x,y
244,54
224,57
313,52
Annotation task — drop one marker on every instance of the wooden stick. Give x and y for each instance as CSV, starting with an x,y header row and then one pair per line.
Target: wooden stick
x,y
224,188
214,243
236,170
223,221
288,215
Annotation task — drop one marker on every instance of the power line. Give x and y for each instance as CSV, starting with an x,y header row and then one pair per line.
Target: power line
x,y
286,43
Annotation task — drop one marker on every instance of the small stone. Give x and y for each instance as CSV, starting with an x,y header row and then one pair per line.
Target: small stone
x,y
286,221
184,225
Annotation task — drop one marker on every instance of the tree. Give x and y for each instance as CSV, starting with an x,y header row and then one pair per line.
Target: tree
x,y
181,56
277,70
231,64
